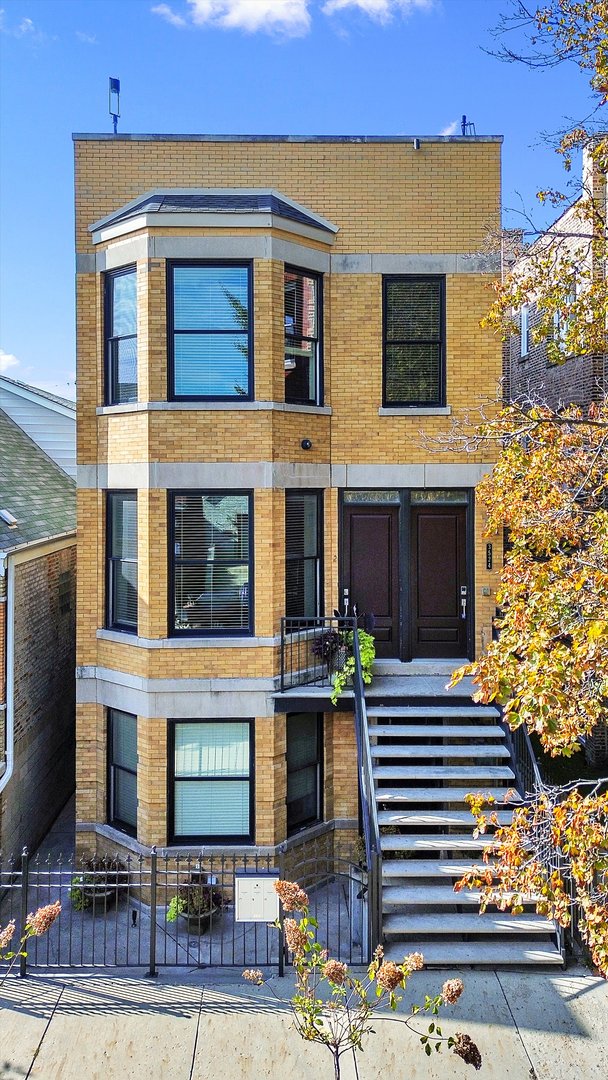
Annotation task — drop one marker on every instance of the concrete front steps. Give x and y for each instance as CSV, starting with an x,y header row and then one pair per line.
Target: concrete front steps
x,y
429,749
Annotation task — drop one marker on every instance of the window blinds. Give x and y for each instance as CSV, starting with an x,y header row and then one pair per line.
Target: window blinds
x,y
413,346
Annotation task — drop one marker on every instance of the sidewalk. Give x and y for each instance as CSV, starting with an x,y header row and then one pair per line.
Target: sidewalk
x,y
211,1026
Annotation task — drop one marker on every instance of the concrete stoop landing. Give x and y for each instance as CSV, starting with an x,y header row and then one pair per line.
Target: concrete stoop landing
x,y
429,748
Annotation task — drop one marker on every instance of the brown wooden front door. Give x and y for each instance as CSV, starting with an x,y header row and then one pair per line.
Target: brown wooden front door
x,y
371,570
438,576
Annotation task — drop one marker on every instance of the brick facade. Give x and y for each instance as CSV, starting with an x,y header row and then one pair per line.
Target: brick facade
x,y
387,199
44,660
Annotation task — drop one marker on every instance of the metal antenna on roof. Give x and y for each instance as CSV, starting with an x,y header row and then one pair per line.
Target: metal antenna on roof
x,y
467,126
114,101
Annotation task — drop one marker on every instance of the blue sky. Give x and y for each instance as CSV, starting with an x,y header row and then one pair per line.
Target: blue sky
x,y
234,66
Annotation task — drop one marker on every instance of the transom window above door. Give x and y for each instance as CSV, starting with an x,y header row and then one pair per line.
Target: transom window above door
x,y
210,331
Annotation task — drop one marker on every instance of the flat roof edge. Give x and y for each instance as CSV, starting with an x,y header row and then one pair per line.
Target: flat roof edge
x,y
78,136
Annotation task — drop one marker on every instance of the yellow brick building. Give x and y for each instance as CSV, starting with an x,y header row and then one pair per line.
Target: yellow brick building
x,y
271,332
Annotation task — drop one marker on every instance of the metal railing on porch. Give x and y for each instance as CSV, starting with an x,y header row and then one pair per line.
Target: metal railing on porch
x,y
313,649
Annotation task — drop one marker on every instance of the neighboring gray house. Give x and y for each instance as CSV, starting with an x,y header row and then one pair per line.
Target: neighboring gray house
x,y
48,419
37,615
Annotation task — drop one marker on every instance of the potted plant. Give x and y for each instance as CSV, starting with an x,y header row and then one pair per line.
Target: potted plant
x,y
98,882
367,652
330,648
198,902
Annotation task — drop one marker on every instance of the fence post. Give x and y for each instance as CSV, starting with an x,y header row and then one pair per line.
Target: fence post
x,y
24,911
153,971
281,914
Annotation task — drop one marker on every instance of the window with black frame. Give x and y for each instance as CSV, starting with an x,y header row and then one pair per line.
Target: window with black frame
x,y
210,331
303,546
121,511
414,341
302,337
121,336
304,766
212,785
122,770
211,562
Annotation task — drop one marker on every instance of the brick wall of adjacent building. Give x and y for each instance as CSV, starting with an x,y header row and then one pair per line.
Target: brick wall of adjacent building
x,y
44,659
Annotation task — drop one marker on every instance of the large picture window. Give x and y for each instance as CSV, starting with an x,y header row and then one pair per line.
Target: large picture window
x,y
303,546
304,760
414,341
122,770
121,336
302,337
210,330
211,562
122,560
212,788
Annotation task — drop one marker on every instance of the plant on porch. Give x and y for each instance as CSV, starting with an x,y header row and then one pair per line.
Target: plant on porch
x,y
341,1019
36,925
367,652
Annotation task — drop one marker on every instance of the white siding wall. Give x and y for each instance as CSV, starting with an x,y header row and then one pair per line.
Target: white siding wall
x,y
50,426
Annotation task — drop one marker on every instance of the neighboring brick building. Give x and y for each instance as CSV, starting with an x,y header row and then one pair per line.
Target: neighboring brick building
x,y
37,635
266,327
529,369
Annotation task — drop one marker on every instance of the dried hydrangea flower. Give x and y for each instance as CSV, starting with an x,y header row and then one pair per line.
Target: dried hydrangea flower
x,y
43,919
297,939
6,935
451,991
390,976
292,897
465,1048
253,975
335,971
413,962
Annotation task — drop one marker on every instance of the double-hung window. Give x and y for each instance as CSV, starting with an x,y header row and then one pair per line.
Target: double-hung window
x,y
524,331
121,512
210,331
121,336
303,546
304,761
414,341
302,337
122,770
211,556
212,782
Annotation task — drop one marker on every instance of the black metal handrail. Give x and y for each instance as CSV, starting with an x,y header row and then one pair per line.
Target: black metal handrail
x,y
369,810
313,649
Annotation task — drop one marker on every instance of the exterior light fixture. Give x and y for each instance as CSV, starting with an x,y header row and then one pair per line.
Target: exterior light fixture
x,y
306,444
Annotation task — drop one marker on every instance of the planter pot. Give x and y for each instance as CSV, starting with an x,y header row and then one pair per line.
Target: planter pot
x,y
199,924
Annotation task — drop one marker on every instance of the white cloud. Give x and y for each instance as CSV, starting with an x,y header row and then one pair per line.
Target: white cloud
x,y
380,10
24,29
7,360
451,129
169,15
87,39
290,18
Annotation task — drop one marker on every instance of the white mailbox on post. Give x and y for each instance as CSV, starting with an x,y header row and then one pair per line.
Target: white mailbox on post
x,y
255,896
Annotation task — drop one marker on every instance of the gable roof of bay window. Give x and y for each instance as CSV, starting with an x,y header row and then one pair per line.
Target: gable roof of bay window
x,y
189,207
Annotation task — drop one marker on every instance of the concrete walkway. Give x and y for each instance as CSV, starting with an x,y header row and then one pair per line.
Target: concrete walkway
x,y
208,1026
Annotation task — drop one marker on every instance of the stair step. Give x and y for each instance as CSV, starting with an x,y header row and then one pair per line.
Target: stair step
x,y
430,868
437,731
454,712
438,794
443,772
490,953
449,923
437,817
468,750
436,842
433,896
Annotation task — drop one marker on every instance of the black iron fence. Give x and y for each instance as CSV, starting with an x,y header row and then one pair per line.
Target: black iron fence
x,y
313,650
159,910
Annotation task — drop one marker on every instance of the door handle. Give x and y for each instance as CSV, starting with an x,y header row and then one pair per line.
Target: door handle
x,y
463,601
